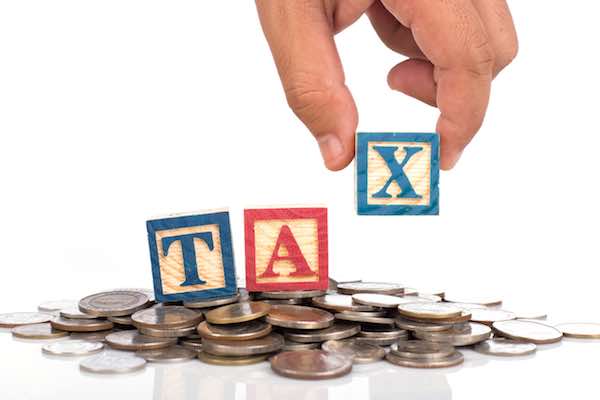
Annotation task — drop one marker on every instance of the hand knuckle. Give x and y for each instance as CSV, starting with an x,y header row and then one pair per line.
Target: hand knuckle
x,y
306,96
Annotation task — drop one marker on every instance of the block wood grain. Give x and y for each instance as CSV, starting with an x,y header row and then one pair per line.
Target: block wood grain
x,y
192,256
286,249
397,173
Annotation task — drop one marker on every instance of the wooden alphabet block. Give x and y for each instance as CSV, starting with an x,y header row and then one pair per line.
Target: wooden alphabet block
x,y
192,256
286,249
397,173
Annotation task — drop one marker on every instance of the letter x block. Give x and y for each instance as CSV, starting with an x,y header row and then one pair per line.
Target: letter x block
x,y
397,173
286,249
192,256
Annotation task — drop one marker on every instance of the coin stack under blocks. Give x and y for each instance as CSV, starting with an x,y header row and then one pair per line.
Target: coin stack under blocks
x,y
303,334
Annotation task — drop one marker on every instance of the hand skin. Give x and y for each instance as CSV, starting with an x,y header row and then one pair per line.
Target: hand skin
x,y
454,47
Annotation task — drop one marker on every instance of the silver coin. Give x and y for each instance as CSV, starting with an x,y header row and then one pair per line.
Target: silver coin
x,y
458,336
123,320
193,344
148,292
429,310
476,299
220,301
533,332
410,291
171,354
74,313
465,316
112,363
340,302
72,348
299,317
115,303
530,315
379,300
267,344
38,332
56,305
505,347
167,333
81,325
422,350
339,330
410,325
310,364
133,340
99,336
455,359
358,352
297,294
364,319
370,287
424,298
167,317
359,314
468,306
290,345
489,315
580,330
380,341
388,333
10,320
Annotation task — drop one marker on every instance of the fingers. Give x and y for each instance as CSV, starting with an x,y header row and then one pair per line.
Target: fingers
x,y
452,36
300,34
414,78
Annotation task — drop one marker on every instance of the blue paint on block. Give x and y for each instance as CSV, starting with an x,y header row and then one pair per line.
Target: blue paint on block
x,y
221,219
397,173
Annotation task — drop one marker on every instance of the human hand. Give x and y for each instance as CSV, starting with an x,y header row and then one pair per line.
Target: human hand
x,y
454,48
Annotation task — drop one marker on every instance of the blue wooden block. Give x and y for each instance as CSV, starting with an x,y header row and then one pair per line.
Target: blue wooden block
x,y
397,173
192,256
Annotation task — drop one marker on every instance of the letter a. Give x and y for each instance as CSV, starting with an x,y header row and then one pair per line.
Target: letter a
x,y
286,238
397,169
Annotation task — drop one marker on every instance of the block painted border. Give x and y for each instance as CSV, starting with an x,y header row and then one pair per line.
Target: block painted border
x,y
252,215
362,142
219,218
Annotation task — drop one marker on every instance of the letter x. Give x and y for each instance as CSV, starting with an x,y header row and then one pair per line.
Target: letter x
x,y
397,169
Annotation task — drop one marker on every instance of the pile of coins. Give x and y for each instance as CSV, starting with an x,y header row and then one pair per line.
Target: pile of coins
x,y
303,334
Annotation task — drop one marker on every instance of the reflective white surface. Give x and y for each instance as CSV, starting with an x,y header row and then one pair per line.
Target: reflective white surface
x,y
555,371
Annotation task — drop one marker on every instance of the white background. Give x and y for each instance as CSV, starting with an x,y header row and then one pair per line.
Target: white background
x,y
112,112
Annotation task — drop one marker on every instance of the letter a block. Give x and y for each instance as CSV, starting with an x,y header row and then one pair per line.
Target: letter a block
x,y
192,256
397,173
286,249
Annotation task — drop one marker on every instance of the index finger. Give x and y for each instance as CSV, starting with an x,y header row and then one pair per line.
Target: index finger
x,y
452,36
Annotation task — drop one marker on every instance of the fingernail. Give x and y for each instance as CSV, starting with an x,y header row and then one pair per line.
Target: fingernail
x,y
331,147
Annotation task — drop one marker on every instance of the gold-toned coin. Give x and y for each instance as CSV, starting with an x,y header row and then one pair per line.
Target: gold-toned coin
x,y
458,335
81,325
166,317
296,302
310,364
290,345
239,312
580,330
455,359
168,333
38,331
380,300
56,305
490,315
72,348
133,340
220,301
171,354
429,310
476,299
505,347
241,331
339,330
465,316
370,287
10,320
114,303
423,350
124,320
299,317
340,302
358,351
75,313
297,294
231,361
359,314
528,331
193,344
364,319
411,325
267,344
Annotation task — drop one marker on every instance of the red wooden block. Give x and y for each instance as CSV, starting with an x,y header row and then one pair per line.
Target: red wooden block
x,y
286,249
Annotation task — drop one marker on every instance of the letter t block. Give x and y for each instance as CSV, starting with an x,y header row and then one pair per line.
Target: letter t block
x,y
397,173
286,249
192,256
